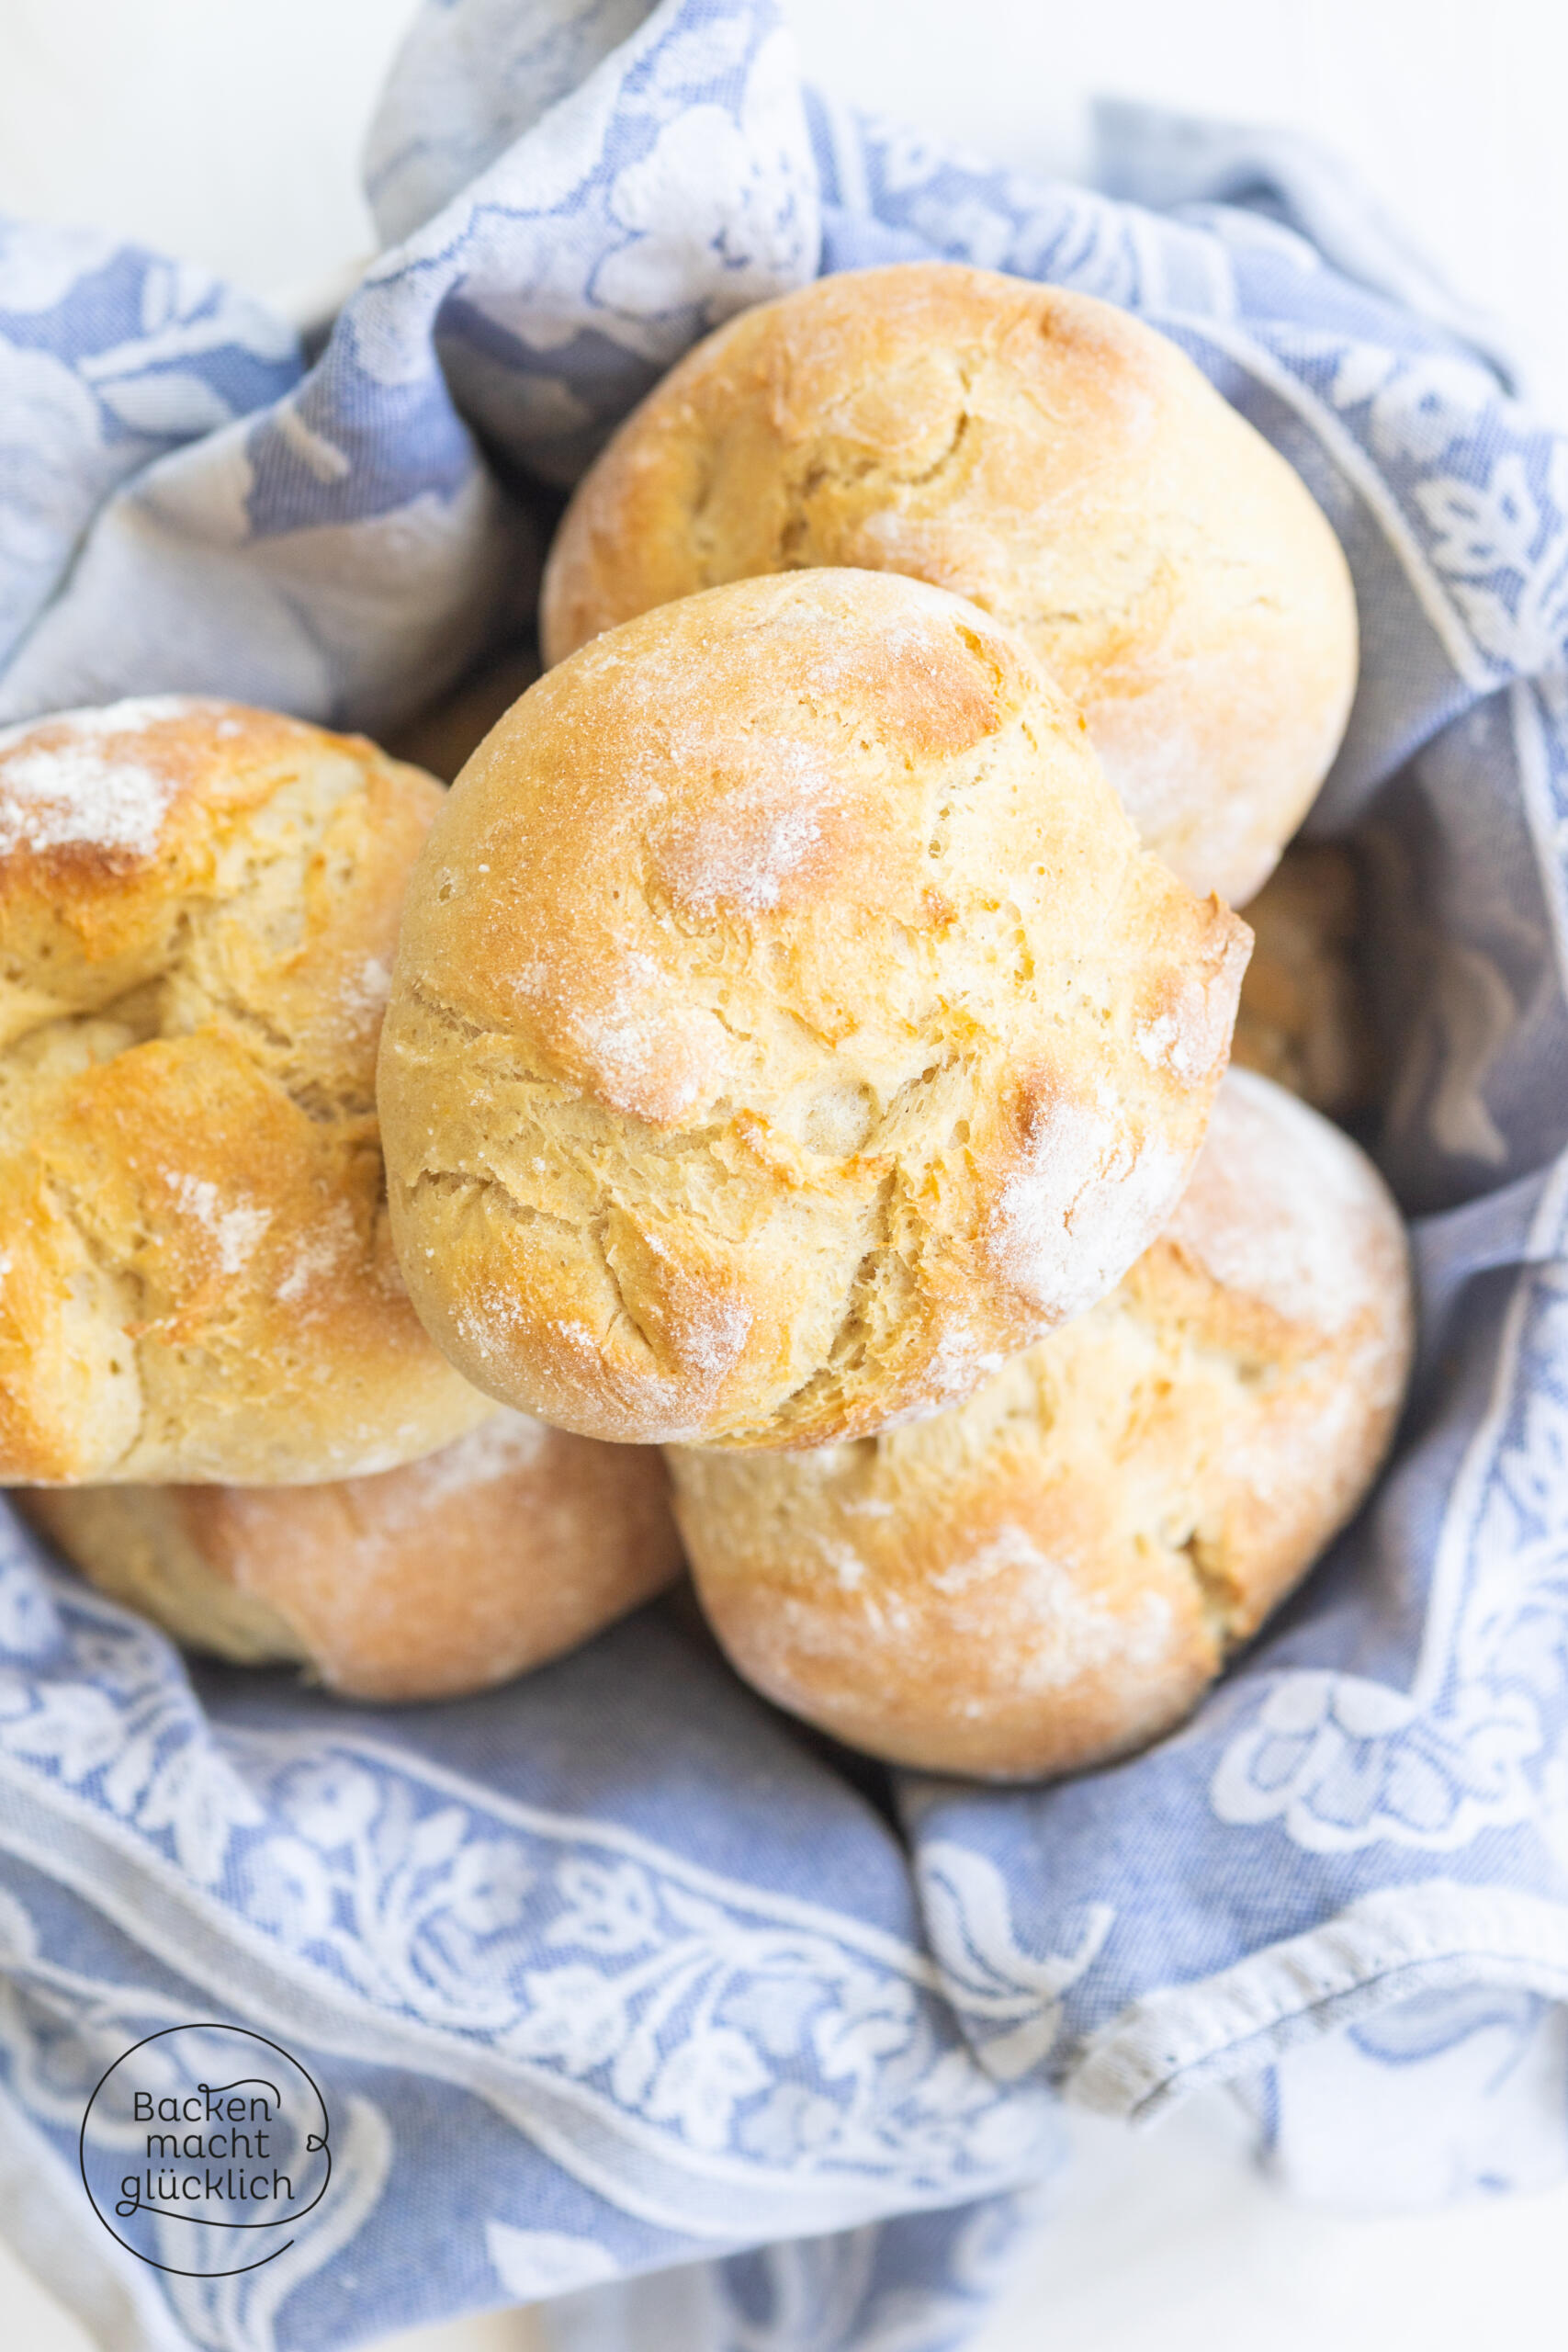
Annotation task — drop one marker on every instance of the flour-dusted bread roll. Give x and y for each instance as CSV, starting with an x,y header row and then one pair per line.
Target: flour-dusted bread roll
x,y
499,1552
1050,457
1051,1575
198,907
786,1025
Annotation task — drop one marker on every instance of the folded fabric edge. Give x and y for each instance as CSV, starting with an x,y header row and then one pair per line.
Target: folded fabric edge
x,y
641,2172
1434,1937
1167,158
111,2295
820,2292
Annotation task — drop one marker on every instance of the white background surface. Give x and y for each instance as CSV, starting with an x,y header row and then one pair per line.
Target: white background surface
x,y
228,132
228,129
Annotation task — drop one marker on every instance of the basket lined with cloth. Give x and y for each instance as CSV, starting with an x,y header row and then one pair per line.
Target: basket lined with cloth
x,y
608,1973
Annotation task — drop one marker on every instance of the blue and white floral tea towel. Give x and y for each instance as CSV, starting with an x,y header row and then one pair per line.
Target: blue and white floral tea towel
x,y
619,1991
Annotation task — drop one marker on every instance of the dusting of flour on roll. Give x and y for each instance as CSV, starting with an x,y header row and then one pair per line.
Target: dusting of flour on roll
x,y
199,904
79,778
1058,461
458,1572
1050,1575
786,1024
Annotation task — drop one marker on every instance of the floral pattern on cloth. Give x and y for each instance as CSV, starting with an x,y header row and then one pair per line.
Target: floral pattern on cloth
x,y
626,1997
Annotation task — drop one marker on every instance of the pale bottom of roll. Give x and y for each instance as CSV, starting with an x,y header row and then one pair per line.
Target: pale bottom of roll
x,y
454,1574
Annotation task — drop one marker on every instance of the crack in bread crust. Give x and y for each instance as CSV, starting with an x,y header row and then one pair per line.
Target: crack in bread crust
x,y
197,911
1048,1577
737,957
1051,458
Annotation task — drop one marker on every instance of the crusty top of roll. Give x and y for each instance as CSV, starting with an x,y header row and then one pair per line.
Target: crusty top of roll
x,y
1052,458
198,905
1049,1574
786,1024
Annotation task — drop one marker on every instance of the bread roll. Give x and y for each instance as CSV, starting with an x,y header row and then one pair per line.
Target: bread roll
x,y
1303,1018
1050,457
459,1571
198,905
786,1025
1051,1575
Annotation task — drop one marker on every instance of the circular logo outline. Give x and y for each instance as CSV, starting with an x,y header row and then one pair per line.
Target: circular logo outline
x,y
315,2142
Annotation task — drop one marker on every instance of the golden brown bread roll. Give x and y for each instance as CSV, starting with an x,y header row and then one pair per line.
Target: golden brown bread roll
x,y
458,1572
1050,1575
1050,457
786,1025
1304,1017
198,905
